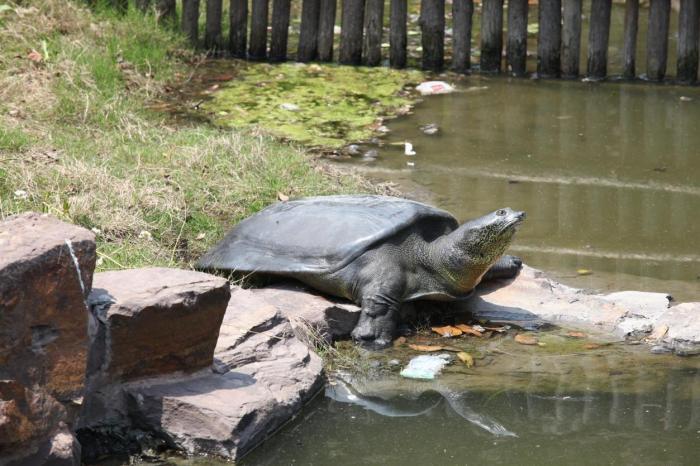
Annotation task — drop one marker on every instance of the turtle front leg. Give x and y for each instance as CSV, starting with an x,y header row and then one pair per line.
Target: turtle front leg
x,y
378,320
505,267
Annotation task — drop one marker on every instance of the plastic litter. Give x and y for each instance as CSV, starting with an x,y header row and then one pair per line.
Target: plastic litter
x,y
425,367
434,87
408,149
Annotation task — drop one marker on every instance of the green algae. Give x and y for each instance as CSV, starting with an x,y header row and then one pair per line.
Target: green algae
x,y
315,105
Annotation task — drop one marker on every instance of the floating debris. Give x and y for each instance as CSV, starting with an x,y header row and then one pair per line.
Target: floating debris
x,y
526,339
434,87
582,272
425,367
290,107
466,358
408,149
430,129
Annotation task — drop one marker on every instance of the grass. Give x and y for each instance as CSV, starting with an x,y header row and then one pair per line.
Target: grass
x,y
78,141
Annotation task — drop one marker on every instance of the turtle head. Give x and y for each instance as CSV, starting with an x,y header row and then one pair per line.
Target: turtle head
x,y
479,243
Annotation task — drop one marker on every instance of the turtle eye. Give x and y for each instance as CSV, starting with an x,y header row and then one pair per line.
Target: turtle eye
x,y
501,212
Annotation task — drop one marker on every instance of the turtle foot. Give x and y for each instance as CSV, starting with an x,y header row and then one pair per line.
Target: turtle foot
x,y
374,333
506,267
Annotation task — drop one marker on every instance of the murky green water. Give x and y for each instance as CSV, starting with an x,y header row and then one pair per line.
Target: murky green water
x,y
609,174
613,406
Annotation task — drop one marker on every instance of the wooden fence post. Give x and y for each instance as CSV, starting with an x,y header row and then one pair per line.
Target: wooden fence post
x,y
352,21
462,12
280,30
238,32
308,35
143,5
629,47
657,39
326,30
212,28
688,22
257,49
398,35
598,36
571,38
432,24
374,27
190,20
516,48
549,39
491,35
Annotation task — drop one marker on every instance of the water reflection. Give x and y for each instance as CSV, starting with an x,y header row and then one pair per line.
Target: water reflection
x,y
643,417
609,174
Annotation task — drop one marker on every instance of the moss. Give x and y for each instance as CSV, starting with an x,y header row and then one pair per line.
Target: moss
x,y
328,105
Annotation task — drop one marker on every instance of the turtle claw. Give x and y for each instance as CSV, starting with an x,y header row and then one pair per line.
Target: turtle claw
x,y
374,332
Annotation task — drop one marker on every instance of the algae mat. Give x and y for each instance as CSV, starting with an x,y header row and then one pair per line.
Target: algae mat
x,y
316,105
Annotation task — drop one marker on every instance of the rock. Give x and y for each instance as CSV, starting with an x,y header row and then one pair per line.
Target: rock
x,y
155,321
263,376
43,324
683,334
531,299
147,322
46,269
302,307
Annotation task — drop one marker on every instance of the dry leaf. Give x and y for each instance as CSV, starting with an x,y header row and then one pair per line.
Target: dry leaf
x,y
584,272
466,358
400,341
525,339
447,331
658,333
591,346
497,329
573,334
469,330
35,56
282,197
426,348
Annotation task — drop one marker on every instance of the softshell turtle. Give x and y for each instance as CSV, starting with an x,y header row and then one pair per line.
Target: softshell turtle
x,y
377,251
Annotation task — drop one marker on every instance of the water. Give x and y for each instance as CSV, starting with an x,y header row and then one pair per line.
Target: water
x,y
617,406
609,174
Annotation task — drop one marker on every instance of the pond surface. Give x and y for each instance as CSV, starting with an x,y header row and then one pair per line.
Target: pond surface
x,y
615,405
609,174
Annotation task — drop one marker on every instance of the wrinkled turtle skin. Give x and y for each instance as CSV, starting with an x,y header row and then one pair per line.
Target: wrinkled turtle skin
x,y
377,251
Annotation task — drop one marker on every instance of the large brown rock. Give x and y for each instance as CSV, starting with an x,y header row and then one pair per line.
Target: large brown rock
x,y
155,321
263,376
46,269
149,324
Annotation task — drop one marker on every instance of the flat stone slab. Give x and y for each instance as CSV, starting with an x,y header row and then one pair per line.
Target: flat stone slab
x,y
531,299
262,377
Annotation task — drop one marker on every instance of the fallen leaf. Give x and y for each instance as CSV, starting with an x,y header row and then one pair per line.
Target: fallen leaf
x,y
447,331
497,329
35,56
466,358
201,236
591,346
452,349
400,341
282,197
525,339
573,334
658,333
222,77
426,348
584,272
469,330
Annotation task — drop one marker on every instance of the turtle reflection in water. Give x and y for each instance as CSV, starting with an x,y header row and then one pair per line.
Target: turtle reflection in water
x,y
377,251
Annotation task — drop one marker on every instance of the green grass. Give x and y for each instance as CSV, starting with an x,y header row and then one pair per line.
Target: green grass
x,y
77,137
